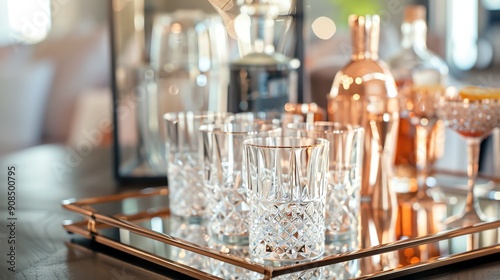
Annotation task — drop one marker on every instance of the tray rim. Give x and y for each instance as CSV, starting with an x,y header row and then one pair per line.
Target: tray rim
x,y
76,227
124,222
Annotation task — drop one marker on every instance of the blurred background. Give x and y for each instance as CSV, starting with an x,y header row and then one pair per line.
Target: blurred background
x,y
55,60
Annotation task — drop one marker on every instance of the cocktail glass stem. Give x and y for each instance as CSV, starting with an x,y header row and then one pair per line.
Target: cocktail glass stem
x,y
472,213
473,146
423,140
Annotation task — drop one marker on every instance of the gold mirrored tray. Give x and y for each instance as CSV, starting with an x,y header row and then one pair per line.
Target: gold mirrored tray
x,y
139,223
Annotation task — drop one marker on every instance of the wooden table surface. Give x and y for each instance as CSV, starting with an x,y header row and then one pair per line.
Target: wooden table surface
x,y
45,175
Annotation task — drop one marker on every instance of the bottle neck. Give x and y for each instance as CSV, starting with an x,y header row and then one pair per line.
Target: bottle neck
x,y
261,34
262,18
414,35
365,38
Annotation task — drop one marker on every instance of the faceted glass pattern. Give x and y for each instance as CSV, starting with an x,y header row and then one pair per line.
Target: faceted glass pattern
x,y
343,203
472,118
286,179
185,178
473,115
224,188
344,176
184,171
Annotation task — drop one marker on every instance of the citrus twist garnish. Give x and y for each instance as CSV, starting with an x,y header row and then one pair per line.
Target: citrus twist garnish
x,y
479,93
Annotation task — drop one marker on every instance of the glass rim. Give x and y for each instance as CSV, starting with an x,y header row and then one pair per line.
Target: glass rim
x,y
173,116
166,18
219,128
464,100
313,127
318,141
453,94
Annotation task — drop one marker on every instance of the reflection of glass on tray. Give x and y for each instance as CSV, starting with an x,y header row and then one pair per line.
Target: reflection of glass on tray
x,y
193,230
225,270
138,223
419,221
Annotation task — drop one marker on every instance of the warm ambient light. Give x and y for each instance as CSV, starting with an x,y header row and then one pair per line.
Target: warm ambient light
x,y
324,28
29,21
242,27
176,28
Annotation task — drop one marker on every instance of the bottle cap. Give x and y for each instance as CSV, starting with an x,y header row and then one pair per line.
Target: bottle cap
x,y
414,12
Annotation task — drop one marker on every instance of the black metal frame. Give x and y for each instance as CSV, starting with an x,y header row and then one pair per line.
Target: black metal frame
x,y
299,47
128,180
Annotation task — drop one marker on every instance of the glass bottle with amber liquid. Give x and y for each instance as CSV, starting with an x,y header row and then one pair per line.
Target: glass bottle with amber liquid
x,y
263,80
364,93
421,77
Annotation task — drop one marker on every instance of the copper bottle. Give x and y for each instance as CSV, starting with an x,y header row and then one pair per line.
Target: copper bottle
x,y
364,93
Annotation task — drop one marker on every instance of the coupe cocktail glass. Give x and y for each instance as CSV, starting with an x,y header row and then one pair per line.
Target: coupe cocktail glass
x,y
472,112
420,104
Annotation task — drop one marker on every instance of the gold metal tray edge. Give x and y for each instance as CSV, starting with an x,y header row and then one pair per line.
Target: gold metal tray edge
x,y
192,272
81,207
